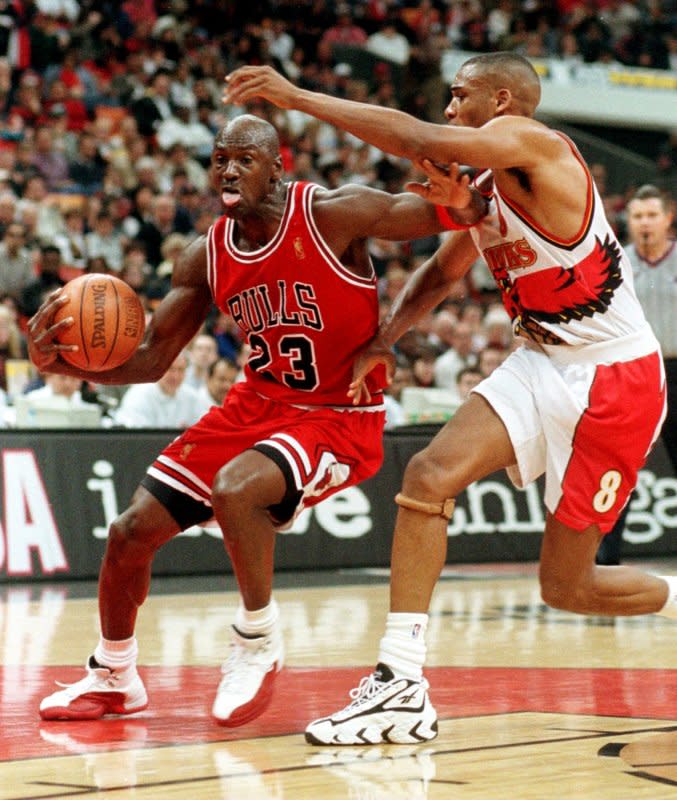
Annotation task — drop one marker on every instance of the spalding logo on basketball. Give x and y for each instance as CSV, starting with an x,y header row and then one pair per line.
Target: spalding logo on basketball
x,y
108,322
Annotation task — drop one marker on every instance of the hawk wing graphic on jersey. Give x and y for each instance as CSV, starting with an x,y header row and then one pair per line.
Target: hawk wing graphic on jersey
x,y
559,295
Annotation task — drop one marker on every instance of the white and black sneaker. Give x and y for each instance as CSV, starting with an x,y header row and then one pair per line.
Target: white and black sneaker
x,y
384,710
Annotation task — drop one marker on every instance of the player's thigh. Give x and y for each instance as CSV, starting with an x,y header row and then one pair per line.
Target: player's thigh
x,y
473,444
251,477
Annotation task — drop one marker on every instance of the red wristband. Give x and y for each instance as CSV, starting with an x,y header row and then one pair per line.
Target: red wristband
x,y
448,221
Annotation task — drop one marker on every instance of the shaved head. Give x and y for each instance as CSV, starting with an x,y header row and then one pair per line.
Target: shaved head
x,y
250,130
509,71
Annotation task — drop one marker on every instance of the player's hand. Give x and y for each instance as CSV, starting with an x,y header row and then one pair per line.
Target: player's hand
x,y
445,184
245,83
374,354
43,347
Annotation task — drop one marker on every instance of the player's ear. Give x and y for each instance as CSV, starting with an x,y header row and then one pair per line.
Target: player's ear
x,y
502,99
278,170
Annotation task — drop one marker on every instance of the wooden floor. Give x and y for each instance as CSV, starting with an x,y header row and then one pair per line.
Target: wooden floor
x,y
534,704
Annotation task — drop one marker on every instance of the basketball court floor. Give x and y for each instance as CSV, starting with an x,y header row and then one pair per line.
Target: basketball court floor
x,y
534,704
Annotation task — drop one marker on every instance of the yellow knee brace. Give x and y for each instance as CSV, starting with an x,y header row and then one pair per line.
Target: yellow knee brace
x,y
444,509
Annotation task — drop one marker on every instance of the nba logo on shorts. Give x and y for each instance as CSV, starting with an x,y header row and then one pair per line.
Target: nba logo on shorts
x,y
415,631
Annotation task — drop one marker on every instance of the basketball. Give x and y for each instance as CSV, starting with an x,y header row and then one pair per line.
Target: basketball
x,y
108,321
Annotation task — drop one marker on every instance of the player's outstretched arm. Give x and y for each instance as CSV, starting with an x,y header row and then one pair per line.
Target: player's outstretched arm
x,y
504,142
357,211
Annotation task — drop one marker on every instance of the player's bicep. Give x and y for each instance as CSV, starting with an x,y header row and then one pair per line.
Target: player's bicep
x,y
361,212
404,216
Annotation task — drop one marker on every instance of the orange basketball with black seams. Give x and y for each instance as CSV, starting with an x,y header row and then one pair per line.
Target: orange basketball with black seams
x,y
108,322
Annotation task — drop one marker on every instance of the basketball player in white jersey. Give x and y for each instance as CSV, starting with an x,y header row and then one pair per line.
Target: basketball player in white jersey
x,y
582,400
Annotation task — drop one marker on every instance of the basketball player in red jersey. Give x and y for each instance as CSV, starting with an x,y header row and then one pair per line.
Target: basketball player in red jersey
x,y
582,400
289,263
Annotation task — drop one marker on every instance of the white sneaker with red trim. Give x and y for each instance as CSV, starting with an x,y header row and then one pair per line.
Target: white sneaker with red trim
x,y
101,692
249,674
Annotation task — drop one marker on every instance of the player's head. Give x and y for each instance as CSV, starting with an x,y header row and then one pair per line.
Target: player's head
x,y
246,164
493,85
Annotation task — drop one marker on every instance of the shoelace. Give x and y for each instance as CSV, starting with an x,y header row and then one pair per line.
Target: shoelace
x,y
368,688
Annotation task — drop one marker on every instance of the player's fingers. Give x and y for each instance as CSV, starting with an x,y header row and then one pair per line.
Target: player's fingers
x,y
421,189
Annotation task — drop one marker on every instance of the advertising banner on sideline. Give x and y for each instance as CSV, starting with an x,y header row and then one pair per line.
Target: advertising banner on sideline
x,y
60,490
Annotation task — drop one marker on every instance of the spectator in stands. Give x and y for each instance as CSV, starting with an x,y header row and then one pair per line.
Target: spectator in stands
x,y
466,380
48,279
65,386
50,163
7,209
497,328
489,358
171,249
345,31
442,326
392,396
16,265
181,128
12,342
458,356
221,375
423,367
154,107
163,220
168,403
106,241
87,170
49,220
71,241
180,158
61,102
202,353
387,42
27,103
27,214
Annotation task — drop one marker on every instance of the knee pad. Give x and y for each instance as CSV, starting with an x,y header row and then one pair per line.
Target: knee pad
x,y
444,509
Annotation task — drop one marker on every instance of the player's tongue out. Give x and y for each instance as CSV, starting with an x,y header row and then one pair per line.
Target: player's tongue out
x,y
230,198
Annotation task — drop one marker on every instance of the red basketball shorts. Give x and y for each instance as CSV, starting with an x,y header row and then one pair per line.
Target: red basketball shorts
x,y
588,427
319,450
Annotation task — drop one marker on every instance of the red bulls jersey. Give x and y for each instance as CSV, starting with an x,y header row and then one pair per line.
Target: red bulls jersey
x,y
564,292
304,314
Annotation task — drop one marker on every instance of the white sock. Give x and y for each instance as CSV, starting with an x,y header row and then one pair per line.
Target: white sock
x,y
670,607
403,644
117,654
259,622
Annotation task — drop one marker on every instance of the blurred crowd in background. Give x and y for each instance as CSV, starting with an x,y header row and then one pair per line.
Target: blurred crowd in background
x,y
107,116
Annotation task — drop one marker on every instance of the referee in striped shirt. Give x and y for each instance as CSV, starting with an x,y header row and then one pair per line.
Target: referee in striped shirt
x,y
652,251
653,255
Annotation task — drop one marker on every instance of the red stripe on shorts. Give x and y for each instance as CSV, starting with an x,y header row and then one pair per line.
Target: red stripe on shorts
x,y
612,441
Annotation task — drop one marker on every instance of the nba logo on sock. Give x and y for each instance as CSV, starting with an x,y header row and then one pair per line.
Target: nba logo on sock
x,y
415,631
